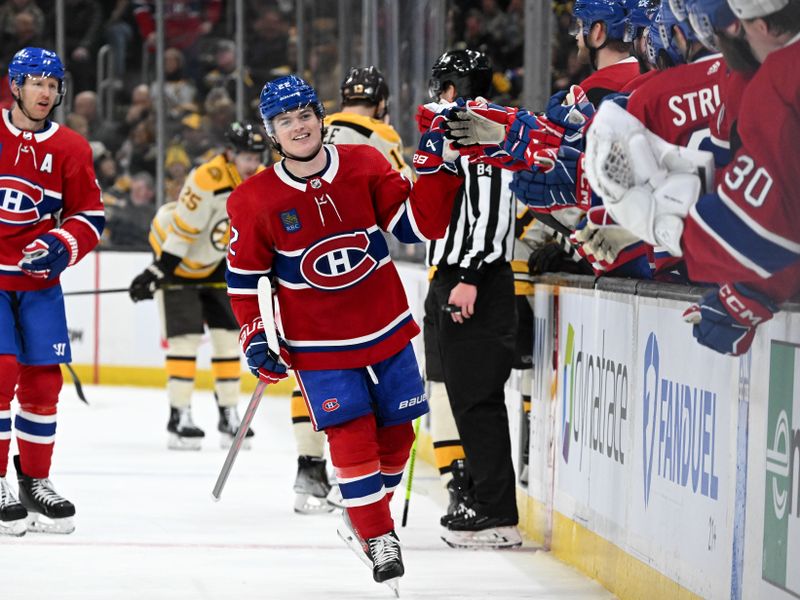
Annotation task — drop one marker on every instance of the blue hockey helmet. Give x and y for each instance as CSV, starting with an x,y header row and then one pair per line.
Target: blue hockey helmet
x,y
286,93
640,14
36,62
707,17
610,12
665,21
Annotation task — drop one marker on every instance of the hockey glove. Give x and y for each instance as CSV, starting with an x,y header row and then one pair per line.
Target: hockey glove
x,y
434,152
726,320
478,122
47,256
570,111
145,284
555,182
263,362
529,133
425,115
600,237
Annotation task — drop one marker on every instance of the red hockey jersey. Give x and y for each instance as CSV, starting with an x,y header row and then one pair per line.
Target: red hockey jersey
x,y
749,230
320,240
47,182
609,80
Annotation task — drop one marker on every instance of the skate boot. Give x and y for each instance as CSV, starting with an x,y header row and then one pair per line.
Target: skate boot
x,y
48,512
12,514
311,486
388,567
459,490
472,529
183,433
228,425
387,561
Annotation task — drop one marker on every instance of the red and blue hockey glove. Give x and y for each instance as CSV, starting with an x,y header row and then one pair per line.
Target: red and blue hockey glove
x,y
726,320
529,133
263,362
570,111
47,256
434,152
556,181
425,115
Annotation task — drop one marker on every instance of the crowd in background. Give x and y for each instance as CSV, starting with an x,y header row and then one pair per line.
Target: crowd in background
x,y
200,73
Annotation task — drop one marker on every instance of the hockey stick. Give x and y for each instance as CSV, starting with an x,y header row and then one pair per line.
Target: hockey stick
x,y
77,382
411,471
268,318
169,286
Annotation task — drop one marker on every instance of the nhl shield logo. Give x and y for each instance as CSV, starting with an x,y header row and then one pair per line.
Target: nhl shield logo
x,y
290,220
316,183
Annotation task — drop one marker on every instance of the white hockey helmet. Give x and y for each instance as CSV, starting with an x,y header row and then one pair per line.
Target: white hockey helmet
x,y
753,9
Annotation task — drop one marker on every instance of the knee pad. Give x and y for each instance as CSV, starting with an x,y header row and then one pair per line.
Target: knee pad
x,y
9,370
395,443
38,389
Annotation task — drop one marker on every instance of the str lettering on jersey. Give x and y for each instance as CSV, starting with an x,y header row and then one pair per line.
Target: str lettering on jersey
x,y
699,105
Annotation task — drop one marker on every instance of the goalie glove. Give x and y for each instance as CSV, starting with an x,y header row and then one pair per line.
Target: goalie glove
x,y
726,320
529,133
434,152
647,185
571,111
556,181
478,122
262,361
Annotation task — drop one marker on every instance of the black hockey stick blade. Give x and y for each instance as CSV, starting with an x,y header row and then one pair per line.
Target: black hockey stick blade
x,y
77,382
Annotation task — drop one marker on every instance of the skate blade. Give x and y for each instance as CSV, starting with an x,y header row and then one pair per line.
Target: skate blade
x,y
176,442
226,441
349,538
394,585
496,538
334,497
17,528
38,523
306,504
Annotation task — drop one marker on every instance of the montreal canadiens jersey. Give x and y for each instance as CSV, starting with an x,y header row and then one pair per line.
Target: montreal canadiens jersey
x,y
609,79
47,181
320,241
749,229
196,227
350,128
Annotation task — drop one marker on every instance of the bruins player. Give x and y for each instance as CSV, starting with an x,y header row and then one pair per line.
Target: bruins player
x,y
361,120
190,240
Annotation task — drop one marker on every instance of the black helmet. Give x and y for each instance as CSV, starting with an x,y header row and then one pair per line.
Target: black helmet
x,y
469,71
244,136
365,83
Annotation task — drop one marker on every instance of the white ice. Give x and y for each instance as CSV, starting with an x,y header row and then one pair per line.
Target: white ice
x,y
147,528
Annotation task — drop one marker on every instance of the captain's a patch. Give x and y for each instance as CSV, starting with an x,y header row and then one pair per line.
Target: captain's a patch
x,y
290,220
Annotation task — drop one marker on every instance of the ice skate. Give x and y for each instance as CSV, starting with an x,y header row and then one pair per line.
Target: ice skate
x,y
387,551
228,426
48,512
475,531
311,486
458,489
13,515
183,433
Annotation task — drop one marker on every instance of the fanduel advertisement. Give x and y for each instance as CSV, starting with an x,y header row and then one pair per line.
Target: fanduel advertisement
x,y
781,544
679,428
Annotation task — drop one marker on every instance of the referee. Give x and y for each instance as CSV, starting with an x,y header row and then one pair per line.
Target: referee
x,y
470,325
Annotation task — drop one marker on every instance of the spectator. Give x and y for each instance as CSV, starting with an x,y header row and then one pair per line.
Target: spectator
x,y
141,106
267,46
129,223
179,91
118,32
138,152
220,113
81,36
24,35
12,8
194,139
224,75
85,104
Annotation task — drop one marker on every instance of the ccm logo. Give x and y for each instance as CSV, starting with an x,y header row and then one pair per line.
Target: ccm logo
x,y
330,405
412,402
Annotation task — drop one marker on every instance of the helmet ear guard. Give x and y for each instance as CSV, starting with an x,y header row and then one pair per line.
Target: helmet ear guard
x,y
245,136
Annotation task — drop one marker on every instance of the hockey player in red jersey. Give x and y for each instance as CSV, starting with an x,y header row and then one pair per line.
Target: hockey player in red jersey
x,y
51,216
313,223
742,235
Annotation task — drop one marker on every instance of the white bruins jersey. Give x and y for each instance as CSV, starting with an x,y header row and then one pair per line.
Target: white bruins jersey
x,y
197,227
350,128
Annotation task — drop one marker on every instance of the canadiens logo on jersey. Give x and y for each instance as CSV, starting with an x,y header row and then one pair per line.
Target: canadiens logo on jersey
x,y
338,262
19,200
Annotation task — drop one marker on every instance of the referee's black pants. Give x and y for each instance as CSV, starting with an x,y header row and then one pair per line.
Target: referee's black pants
x,y
476,359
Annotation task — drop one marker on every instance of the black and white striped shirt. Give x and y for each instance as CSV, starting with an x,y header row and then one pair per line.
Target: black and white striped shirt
x,y
481,230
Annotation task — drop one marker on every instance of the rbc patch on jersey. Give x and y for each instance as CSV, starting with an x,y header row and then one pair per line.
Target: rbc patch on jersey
x,y
290,220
